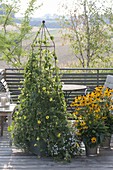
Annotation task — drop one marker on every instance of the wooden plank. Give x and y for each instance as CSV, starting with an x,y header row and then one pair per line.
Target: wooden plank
x,y
18,160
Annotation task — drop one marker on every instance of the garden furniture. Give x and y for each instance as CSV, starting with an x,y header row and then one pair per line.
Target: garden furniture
x,y
6,108
69,88
109,81
6,111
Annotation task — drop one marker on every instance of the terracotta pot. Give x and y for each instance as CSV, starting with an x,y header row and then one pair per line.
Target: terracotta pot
x,y
91,151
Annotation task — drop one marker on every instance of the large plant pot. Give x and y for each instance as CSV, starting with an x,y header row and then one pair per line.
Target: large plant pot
x,y
91,151
39,150
106,143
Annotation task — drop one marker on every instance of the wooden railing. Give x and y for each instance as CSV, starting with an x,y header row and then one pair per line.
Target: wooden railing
x,y
89,77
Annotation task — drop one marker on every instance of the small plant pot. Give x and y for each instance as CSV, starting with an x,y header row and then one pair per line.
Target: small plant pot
x,y
91,151
39,150
106,143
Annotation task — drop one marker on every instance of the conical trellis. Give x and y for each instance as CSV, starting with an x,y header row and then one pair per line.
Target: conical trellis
x,y
43,40
42,117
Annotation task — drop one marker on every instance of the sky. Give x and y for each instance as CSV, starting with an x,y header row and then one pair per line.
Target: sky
x,y
50,6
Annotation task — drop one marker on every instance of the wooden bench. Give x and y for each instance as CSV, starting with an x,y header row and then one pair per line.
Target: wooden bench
x,y
3,85
3,90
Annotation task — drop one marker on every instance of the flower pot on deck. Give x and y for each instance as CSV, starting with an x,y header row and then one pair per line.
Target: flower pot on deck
x,y
91,151
40,149
106,143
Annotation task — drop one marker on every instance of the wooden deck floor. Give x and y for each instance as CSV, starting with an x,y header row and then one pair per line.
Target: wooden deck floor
x,y
12,158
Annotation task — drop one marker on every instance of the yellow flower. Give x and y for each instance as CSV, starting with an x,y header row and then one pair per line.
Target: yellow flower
x,y
79,97
78,133
78,108
47,117
111,108
98,88
72,104
97,110
59,134
76,121
93,139
75,113
107,105
85,127
97,116
80,117
82,123
39,122
104,117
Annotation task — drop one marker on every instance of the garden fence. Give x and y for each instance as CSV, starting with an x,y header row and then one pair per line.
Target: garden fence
x,y
83,76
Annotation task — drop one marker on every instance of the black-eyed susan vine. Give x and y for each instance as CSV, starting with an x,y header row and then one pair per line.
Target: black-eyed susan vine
x,y
42,115
93,116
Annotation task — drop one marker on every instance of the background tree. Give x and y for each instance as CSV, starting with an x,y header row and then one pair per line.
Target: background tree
x,y
13,36
87,26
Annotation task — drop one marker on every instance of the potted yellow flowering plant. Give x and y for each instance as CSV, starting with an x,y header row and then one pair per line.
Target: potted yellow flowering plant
x,y
90,116
107,107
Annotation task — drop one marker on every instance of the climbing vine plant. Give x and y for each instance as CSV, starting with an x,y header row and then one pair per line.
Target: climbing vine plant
x,y
42,115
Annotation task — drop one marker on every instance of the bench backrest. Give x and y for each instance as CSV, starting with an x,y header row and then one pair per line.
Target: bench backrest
x,y
109,81
3,86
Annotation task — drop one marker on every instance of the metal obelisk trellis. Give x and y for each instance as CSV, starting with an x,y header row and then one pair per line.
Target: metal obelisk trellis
x,y
43,40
